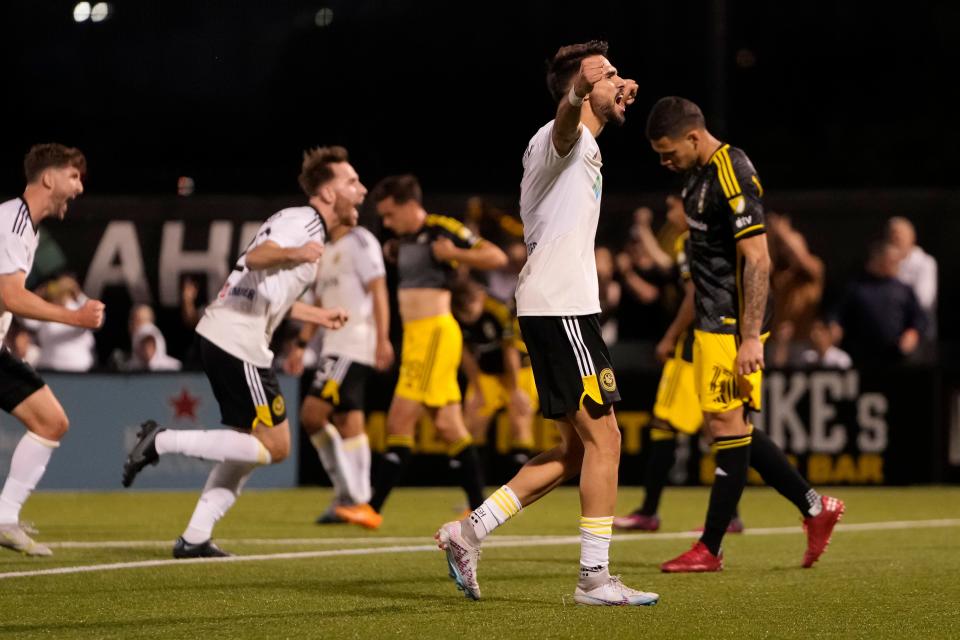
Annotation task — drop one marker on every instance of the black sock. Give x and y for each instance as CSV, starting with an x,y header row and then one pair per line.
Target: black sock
x,y
471,475
394,462
733,460
659,463
773,466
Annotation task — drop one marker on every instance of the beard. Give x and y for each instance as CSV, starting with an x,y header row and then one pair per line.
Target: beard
x,y
609,112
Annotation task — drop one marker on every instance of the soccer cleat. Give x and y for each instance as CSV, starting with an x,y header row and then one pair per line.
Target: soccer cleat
x,y
359,514
637,522
183,549
614,593
697,560
462,558
14,536
819,528
329,517
735,526
144,452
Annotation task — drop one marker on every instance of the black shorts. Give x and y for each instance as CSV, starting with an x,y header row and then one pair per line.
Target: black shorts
x,y
570,362
18,381
247,395
341,382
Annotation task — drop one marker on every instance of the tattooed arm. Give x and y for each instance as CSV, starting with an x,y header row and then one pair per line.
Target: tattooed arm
x,y
756,286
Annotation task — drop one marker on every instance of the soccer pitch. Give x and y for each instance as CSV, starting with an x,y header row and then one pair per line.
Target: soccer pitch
x,y
892,570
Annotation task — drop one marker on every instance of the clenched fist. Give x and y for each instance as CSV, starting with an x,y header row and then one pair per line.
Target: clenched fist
x,y
592,70
90,315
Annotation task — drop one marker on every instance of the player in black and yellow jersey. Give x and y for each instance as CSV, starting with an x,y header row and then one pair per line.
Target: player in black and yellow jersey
x,y
498,369
730,269
429,248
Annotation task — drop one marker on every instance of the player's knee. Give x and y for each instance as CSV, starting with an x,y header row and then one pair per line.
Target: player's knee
x,y
54,428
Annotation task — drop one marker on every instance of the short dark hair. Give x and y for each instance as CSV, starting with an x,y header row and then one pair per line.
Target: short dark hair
x,y
315,171
671,117
45,156
402,189
566,62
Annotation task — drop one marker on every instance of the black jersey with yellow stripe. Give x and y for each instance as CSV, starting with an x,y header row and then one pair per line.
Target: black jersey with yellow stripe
x,y
417,268
723,201
486,337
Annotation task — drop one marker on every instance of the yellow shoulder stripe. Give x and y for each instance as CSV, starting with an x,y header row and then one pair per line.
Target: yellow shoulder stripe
x,y
498,309
747,230
731,188
450,224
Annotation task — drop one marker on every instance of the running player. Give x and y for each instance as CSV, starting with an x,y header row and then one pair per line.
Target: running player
x,y
429,248
559,304
234,335
352,276
54,176
499,375
730,269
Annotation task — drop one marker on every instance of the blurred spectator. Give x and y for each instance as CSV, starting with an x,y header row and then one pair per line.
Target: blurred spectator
x,y
189,312
492,223
149,351
21,344
63,347
502,283
879,318
918,269
824,353
609,294
797,287
641,315
642,232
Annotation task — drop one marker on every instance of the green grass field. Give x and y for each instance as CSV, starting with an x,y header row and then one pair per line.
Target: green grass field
x,y
871,583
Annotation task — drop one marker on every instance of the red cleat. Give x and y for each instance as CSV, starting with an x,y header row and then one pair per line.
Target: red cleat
x,y
819,528
697,560
637,522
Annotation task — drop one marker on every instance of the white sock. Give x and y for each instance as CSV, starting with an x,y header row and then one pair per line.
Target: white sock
x,y
224,484
27,465
220,445
815,502
502,505
329,446
595,536
357,452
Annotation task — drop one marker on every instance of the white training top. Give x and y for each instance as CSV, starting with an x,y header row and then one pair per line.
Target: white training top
x,y
18,245
251,304
560,208
347,267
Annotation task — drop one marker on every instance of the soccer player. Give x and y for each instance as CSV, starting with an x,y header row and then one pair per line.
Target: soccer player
x,y
497,365
54,176
234,334
676,409
558,304
429,247
351,276
730,269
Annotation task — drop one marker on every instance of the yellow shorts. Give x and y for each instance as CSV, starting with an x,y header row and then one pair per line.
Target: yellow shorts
x,y
714,374
429,361
677,402
495,394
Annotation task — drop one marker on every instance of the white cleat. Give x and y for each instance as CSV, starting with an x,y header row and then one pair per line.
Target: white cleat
x,y
13,536
615,594
462,558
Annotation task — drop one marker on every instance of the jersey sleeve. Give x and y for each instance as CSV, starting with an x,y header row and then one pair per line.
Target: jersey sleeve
x,y
13,254
288,231
459,233
743,192
542,154
369,262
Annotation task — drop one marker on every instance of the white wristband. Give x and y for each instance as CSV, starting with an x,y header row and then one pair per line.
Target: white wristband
x,y
573,98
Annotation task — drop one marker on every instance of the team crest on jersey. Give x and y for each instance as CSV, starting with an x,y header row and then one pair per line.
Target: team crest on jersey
x,y
278,406
607,381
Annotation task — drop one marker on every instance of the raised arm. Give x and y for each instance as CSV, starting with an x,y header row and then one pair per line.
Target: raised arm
x,y
566,127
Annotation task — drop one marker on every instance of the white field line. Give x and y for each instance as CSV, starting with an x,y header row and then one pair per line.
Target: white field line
x,y
499,541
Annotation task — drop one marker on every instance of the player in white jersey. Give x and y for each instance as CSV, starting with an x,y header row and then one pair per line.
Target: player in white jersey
x,y
235,332
558,306
54,177
352,276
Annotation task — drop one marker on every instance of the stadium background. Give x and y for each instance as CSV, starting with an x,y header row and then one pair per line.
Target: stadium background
x,y
847,115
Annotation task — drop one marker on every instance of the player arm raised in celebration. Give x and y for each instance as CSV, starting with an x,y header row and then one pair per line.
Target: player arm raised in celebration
x,y
269,255
566,128
18,300
755,286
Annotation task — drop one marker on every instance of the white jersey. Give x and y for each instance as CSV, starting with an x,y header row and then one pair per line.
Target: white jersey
x,y
347,267
18,245
251,304
560,209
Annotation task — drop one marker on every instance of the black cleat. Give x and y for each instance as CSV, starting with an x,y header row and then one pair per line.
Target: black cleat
x,y
329,517
183,549
143,453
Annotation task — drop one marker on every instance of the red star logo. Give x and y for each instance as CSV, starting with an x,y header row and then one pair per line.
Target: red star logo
x,y
185,405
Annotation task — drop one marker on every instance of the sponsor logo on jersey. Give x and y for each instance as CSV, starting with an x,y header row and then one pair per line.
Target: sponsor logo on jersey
x,y
607,381
242,292
743,221
530,247
696,224
598,187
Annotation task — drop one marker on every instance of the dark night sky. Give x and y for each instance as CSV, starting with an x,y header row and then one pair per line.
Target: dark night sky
x,y
820,94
